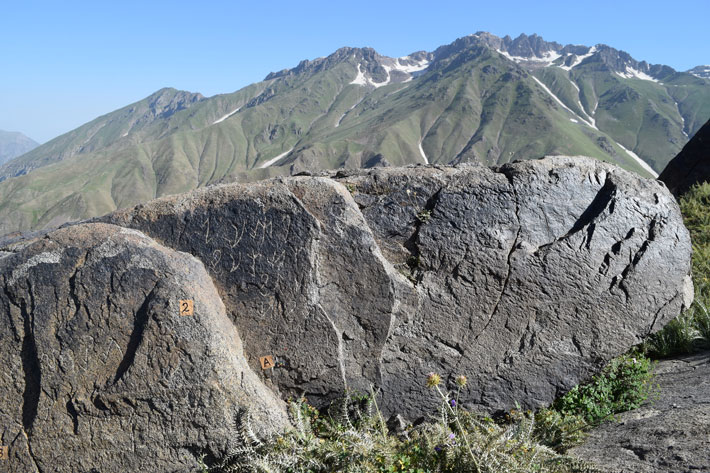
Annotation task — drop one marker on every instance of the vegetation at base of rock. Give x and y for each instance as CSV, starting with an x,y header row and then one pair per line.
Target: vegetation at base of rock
x,y
353,436
691,331
623,384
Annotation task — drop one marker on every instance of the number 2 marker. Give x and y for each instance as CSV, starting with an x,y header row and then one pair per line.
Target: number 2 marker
x,y
187,307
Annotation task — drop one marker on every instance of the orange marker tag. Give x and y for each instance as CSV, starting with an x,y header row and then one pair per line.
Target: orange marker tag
x,y
266,362
187,307
4,453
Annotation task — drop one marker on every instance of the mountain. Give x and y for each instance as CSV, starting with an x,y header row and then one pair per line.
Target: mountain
x,y
13,144
701,71
481,98
691,166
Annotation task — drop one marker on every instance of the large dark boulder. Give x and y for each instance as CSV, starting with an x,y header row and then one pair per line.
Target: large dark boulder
x,y
99,370
525,278
691,165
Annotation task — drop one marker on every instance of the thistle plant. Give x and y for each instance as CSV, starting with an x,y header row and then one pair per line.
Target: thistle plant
x,y
353,437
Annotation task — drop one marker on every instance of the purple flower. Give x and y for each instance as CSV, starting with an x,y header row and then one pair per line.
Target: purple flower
x,y
452,436
453,403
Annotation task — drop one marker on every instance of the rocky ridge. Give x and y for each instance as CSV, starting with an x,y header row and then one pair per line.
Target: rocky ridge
x,y
534,52
700,71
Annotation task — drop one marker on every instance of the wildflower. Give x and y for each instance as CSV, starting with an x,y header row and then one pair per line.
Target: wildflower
x,y
461,381
453,404
433,380
452,436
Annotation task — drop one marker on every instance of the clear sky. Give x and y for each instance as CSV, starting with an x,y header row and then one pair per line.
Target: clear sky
x,y
67,62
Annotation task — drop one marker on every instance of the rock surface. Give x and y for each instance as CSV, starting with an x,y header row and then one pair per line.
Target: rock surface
x,y
525,278
670,434
101,373
691,165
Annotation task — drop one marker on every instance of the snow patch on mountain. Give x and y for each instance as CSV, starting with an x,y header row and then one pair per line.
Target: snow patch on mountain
x,y
578,60
632,73
546,89
220,120
548,58
273,160
421,151
342,117
702,72
682,120
412,69
384,82
418,66
581,107
360,79
639,160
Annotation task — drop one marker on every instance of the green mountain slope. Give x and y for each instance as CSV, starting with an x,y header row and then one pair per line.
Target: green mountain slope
x,y
481,98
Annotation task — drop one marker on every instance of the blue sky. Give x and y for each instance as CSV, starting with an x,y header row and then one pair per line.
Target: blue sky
x,y
65,63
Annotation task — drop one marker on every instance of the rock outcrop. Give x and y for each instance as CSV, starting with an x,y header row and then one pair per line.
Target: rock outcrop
x,y
525,278
691,165
100,370
669,434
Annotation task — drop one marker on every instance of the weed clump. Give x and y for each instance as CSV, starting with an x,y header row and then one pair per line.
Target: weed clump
x,y
352,436
624,384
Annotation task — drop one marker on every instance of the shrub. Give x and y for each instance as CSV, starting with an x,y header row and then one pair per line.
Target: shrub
x,y
621,386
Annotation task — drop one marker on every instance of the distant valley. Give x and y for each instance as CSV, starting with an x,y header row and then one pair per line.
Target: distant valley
x,y
479,99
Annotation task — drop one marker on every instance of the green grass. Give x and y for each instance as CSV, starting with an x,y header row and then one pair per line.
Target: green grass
x,y
690,331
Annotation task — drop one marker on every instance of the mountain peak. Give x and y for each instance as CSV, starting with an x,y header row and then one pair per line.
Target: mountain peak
x,y
170,100
13,144
701,71
371,68
532,51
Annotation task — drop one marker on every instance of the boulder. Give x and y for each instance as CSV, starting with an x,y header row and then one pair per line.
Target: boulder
x,y
691,165
101,372
668,434
526,278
